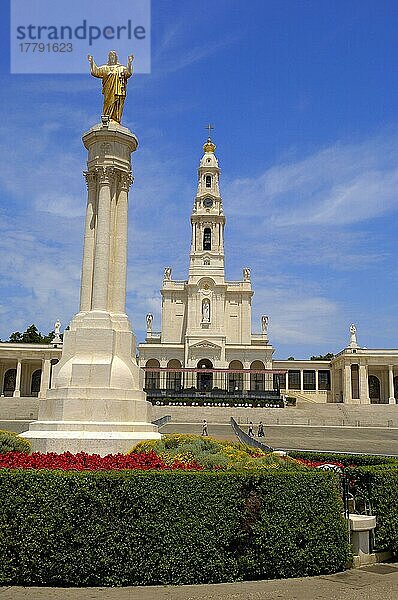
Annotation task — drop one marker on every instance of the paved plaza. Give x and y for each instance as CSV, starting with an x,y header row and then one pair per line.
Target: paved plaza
x,y
378,582
373,440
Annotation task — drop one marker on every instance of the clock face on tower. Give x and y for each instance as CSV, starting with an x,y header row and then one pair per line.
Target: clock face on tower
x,y
207,202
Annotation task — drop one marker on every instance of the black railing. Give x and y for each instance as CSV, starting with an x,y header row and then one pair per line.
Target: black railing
x,y
162,421
267,398
247,439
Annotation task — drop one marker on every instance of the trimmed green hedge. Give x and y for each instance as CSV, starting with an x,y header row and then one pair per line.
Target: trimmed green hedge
x,y
67,528
12,442
345,459
376,488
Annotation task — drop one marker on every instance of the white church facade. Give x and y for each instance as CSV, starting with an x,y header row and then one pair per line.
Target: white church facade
x,y
206,345
206,338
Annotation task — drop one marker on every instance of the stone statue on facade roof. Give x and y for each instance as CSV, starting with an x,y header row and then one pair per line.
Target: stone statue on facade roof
x,y
264,324
57,333
149,319
353,336
114,83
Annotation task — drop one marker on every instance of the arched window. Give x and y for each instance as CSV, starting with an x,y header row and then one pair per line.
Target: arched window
x,y
35,383
208,181
374,389
10,378
152,378
207,239
257,380
173,378
235,380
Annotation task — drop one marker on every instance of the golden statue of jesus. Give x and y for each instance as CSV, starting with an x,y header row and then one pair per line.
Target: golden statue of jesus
x,y
114,82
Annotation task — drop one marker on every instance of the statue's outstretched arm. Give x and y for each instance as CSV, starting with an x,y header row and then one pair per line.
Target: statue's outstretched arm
x,y
129,68
94,69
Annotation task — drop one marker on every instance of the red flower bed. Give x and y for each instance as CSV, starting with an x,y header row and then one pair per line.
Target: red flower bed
x,y
90,462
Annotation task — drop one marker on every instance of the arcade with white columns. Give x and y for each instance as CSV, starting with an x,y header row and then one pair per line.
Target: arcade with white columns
x,y
97,403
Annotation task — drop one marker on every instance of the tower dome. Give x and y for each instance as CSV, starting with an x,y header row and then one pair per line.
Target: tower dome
x,y
209,146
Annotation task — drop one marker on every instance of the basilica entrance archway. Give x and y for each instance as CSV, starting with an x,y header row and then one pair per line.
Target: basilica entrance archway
x,y
173,378
257,380
152,378
374,389
204,380
235,380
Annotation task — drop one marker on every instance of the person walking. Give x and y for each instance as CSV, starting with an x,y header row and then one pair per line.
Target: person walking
x,y
250,431
204,428
260,432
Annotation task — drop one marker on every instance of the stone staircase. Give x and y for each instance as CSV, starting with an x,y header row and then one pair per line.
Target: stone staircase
x,y
304,413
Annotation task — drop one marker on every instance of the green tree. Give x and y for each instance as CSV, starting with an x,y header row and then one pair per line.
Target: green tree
x,y
327,356
31,336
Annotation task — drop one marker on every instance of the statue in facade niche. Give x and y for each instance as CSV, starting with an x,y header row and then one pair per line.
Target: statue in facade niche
x,y
149,319
206,311
114,83
167,273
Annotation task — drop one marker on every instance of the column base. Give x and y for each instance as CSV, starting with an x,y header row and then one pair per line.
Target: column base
x,y
392,401
17,394
94,437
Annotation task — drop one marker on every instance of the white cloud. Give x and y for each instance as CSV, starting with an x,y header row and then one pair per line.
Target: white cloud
x,y
338,185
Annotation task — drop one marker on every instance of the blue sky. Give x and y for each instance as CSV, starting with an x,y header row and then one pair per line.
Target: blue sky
x,y
303,96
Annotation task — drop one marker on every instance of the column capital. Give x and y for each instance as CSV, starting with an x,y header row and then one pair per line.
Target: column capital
x,y
91,178
126,179
106,175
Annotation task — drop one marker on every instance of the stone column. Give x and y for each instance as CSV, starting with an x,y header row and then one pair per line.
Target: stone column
x,y
120,249
2,371
17,391
45,377
163,375
102,242
301,380
246,379
347,392
89,242
363,385
391,394
287,382
316,380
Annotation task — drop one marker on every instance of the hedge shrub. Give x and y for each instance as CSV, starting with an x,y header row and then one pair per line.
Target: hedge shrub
x,y
12,442
66,528
376,489
346,459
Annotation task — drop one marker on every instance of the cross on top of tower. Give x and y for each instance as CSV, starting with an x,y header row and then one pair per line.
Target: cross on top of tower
x,y
209,146
209,127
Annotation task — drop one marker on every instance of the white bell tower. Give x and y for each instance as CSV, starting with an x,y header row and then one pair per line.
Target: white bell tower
x,y
208,221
